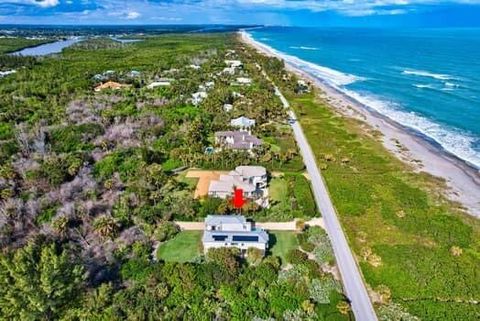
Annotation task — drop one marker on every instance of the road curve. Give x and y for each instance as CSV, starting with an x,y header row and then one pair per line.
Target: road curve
x,y
352,280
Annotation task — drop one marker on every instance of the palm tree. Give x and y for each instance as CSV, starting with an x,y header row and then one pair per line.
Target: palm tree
x,y
106,226
60,225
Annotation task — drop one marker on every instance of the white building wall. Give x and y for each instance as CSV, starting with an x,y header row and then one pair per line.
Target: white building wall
x,y
241,246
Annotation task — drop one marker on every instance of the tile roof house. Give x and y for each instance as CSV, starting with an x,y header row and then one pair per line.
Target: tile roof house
x,y
242,122
110,85
251,179
233,231
240,140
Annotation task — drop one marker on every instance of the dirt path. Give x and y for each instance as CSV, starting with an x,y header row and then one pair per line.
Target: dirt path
x,y
271,226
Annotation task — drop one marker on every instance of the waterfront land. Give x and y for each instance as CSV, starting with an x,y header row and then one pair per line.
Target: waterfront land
x,y
89,189
416,249
92,182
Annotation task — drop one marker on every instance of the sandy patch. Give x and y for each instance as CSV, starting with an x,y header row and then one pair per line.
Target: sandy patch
x,y
204,178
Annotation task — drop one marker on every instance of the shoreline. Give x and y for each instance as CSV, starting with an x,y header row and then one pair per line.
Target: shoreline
x,y
417,151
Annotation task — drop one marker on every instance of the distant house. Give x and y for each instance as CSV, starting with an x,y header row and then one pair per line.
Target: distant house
x,y
229,70
161,82
134,74
244,81
6,73
241,140
112,85
302,87
233,231
227,107
251,179
242,122
234,63
196,67
198,97
109,74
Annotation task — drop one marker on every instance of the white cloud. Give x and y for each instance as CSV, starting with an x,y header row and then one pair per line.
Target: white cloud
x,y
131,15
46,3
39,3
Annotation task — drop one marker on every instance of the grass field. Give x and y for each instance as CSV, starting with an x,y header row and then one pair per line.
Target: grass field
x,y
278,189
281,242
291,194
184,247
405,235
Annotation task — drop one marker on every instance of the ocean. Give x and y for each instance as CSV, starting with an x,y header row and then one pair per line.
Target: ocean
x,y
427,80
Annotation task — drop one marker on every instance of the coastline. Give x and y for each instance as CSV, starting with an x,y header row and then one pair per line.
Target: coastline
x,y
462,180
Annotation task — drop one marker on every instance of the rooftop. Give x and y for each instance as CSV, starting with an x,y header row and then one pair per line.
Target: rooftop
x,y
224,219
253,236
242,122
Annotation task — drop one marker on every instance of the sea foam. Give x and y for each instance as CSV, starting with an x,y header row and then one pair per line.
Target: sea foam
x,y
423,73
304,48
331,76
450,139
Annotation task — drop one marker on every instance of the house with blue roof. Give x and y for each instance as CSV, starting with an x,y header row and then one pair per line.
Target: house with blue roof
x,y
233,231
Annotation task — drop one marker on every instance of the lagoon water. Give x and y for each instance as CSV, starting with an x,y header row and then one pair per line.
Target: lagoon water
x,y
47,49
425,79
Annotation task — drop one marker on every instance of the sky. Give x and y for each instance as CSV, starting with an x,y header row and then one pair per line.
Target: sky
x,y
363,13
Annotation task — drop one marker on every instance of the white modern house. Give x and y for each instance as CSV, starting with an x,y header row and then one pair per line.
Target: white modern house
x,y
162,82
229,70
251,179
233,231
234,63
244,81
198,97
243,123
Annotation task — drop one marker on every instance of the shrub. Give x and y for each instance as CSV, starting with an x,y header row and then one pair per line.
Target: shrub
x,y
394,312
321,289
296,256
74,138
254,256
166,231
6,131
229,258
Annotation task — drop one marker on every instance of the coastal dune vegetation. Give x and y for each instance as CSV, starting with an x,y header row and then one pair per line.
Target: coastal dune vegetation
x,y
92,182
419,254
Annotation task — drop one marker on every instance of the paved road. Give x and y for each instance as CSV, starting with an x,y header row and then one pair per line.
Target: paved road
x,y
354,287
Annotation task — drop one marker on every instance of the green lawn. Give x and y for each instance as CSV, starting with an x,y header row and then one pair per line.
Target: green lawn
x,y
281,242
190,182
278,189
184,247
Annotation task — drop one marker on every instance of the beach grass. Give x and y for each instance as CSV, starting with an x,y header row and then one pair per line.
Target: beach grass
x,y
282,242
404,233
184,247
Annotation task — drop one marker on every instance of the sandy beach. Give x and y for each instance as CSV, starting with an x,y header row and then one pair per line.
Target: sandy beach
x,y
462,181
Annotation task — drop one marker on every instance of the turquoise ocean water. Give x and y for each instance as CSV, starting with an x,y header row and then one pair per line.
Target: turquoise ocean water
x,y
425,79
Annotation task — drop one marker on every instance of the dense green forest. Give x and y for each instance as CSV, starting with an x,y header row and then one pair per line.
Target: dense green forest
x,y
91,182
12,44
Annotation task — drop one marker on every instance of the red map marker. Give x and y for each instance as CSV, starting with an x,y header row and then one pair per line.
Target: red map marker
x,y
238,200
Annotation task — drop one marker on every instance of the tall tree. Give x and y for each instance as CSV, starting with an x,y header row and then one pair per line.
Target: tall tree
x,y
38,282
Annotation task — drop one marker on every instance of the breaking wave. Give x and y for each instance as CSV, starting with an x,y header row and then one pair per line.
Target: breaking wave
x,y
454,141
305,48
422,73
